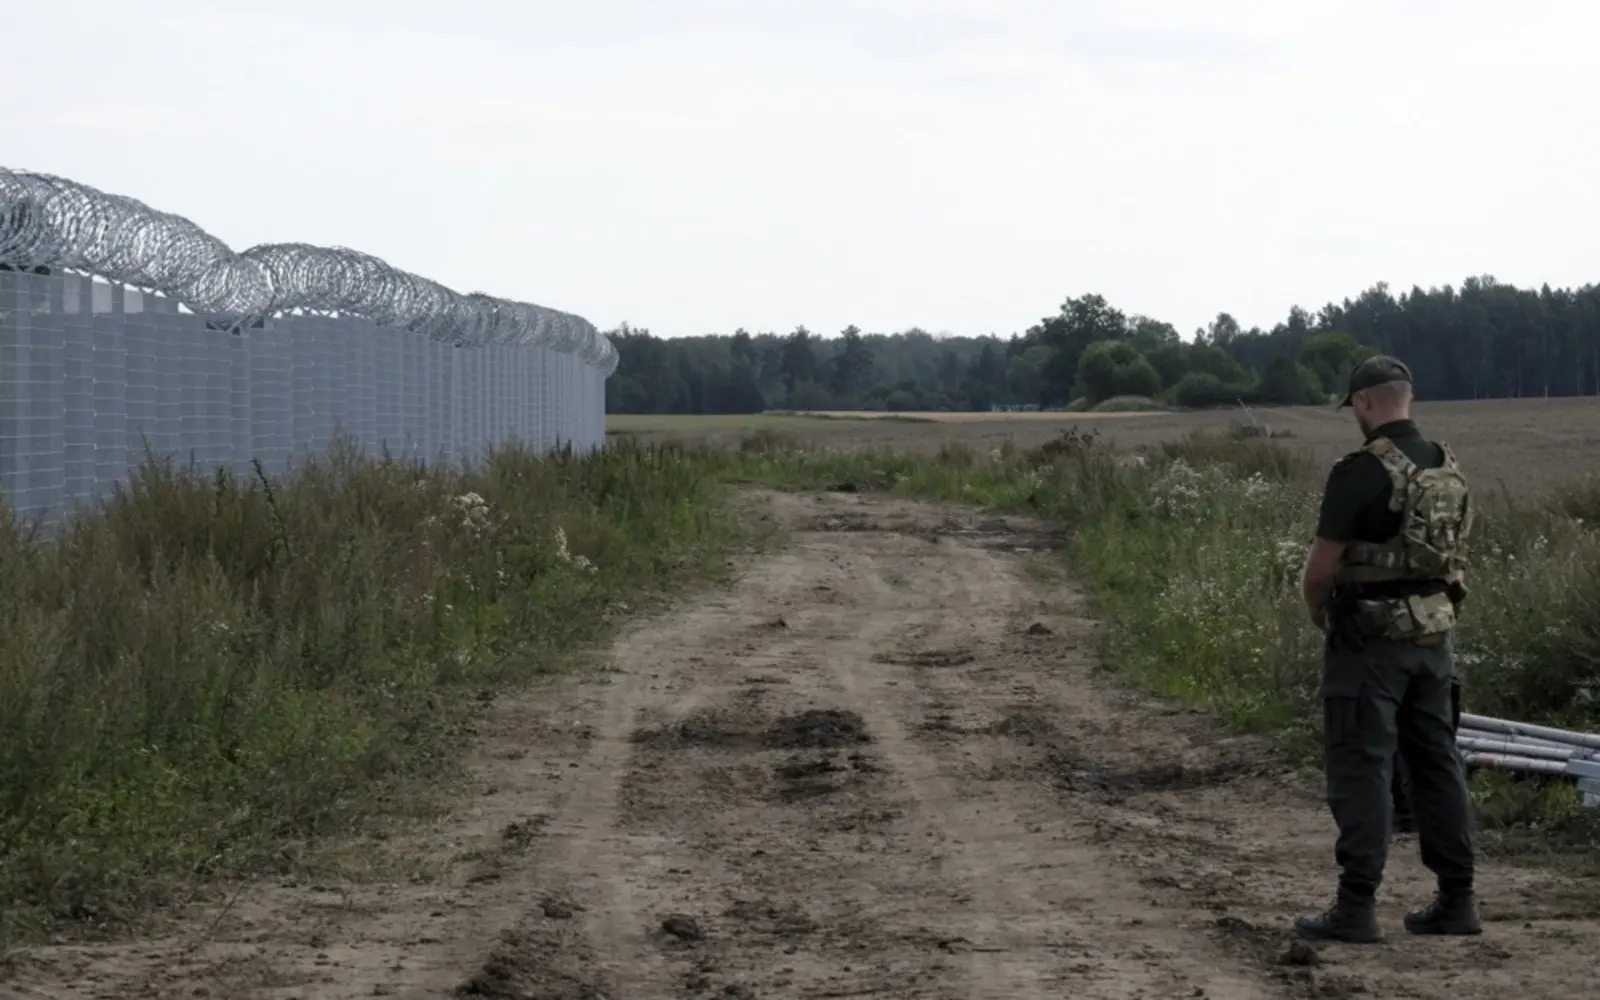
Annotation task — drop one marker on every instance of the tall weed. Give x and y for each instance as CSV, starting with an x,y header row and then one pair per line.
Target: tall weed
x,y
210,665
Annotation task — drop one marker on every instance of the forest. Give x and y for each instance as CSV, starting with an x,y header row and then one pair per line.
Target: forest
x,y
1482,340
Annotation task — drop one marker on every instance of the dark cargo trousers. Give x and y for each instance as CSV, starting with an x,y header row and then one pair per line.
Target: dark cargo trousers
x,y
1403,813
1382,700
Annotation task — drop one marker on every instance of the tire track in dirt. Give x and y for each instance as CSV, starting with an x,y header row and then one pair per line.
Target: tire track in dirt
x,y
1042,895
882,764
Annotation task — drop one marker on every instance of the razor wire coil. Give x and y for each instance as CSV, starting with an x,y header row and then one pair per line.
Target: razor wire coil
x,y
50,221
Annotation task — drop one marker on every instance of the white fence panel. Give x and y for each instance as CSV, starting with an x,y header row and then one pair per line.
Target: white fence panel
x,y
86,394
172,345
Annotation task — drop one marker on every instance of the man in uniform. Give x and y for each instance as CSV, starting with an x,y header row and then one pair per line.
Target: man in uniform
x,y
1383,581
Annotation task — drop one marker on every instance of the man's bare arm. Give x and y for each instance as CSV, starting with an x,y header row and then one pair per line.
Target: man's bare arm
x,y
1316,579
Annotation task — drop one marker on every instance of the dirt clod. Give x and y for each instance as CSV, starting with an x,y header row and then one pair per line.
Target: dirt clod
x,y
558,909
682,927
512,974
820,728
521,833
1300,953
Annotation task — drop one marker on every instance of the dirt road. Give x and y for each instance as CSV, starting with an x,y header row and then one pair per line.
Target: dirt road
x,y
882,764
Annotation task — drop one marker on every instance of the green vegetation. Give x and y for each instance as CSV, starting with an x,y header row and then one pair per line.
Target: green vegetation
x,y
1128,404
1483,340
210,668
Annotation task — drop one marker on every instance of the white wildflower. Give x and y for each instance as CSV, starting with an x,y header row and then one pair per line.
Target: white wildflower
x,y
1289,556
475,512
564,553
1180,489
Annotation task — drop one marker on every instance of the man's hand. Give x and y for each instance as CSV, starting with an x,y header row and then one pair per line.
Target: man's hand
x,y
1316,579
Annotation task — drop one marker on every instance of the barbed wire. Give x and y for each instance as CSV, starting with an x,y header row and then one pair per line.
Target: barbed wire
x,y
52,221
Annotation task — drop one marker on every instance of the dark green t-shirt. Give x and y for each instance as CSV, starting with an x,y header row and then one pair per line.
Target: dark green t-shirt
x,y
1355,502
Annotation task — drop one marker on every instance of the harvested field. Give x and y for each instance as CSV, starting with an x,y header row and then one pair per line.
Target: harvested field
x,y
881,763
1522,446
1021,416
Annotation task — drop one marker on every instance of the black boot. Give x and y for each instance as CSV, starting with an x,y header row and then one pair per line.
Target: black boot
x,y
1455,913
1347,920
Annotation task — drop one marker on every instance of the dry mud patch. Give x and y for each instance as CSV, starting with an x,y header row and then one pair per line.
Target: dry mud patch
x,y
883,763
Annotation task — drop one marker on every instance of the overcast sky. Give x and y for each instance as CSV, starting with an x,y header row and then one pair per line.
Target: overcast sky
x,y
694,166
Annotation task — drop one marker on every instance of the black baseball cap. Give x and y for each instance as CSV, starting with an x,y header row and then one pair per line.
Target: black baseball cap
x,y
1376,370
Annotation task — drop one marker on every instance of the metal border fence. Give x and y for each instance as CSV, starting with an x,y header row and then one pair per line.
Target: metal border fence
x,y
125,331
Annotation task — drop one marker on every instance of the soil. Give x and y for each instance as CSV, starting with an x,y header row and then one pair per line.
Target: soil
x,y
884,763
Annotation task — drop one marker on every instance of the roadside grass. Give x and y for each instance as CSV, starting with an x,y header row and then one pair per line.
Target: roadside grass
x,y
1193,551
210,668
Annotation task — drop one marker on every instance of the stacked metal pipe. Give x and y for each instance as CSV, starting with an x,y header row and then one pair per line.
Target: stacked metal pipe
x,y
1505,745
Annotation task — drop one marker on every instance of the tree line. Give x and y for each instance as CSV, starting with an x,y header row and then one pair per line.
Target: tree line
x,y
1485,339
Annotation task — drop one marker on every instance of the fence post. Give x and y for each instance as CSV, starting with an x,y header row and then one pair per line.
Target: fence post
x,y
40,416
76,325
144,388
240,393
110,386
13,389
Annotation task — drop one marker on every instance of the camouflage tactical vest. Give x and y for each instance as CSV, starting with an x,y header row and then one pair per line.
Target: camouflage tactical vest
x,y
1436,516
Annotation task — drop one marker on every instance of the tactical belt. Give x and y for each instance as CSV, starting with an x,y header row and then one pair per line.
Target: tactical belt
x,y
1368,574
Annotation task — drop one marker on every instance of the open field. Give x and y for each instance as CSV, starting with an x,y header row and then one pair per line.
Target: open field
x,y
1521,445
967,417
